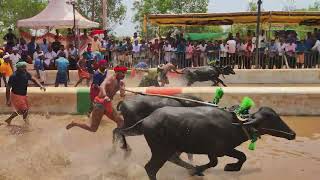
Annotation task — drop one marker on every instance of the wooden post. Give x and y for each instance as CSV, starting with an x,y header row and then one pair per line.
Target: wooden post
x,y
104,14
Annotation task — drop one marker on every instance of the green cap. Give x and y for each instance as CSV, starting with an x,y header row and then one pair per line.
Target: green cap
x,y
21,64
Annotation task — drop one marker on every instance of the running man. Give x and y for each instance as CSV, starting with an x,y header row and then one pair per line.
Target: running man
x,y
16,92
163,71
83,72
102,103
99,76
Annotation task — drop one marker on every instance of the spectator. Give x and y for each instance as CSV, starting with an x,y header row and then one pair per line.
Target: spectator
x,y
273,54
167,52
189,54
32,47
136,52
44,46
56,44
62,64
300,53
6,68
11,39
290,49
36,53
231,50
39,66
96,45
248,55
202,48
23,50
155,52
62,50
15,57
73,57
181,49
50,57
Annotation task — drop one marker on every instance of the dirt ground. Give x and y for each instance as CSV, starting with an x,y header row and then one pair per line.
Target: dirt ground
x,y
46,150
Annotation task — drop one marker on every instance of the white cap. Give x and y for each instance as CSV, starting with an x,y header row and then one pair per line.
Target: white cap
x,y
41,54
6,56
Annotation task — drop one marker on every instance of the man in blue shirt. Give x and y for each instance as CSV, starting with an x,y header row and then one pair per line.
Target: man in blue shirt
x,y
39,67
62,65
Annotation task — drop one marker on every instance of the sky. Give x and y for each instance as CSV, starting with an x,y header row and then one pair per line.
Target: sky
x,y
127,28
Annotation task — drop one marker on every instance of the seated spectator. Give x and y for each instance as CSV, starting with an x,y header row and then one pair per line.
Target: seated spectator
x,y
36,53
56,45
32,47
50,57
44,46
73,57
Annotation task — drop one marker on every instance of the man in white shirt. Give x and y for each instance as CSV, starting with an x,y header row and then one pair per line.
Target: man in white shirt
x,y
167,52
136,51
231,49
49,58
202,47
15,57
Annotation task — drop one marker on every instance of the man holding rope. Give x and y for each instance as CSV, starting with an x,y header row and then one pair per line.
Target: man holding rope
x,y
102,103
16,92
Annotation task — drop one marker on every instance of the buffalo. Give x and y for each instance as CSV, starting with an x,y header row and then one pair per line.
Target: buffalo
x,y
207,73
205,130
139,107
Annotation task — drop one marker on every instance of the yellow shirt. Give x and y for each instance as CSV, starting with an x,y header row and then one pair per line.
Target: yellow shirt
x,y
5,68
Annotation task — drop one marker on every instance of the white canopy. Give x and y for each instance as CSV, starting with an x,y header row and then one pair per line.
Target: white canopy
x,y
58,14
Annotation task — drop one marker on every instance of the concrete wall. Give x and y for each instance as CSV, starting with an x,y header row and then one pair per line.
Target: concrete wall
x,y
286,101
282,76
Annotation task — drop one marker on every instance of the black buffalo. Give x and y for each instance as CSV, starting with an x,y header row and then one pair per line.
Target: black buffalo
x,y
205,130
139,107
207,73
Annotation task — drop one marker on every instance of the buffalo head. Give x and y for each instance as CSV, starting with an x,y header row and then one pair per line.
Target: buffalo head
x,y
267,121
227,70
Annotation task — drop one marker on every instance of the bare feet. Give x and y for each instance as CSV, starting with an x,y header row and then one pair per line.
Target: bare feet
x,y
70,125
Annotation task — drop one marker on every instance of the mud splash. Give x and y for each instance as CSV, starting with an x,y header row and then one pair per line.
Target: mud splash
x,y
45,150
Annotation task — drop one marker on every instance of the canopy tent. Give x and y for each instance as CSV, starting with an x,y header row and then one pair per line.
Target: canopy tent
x,y
58,14
200,19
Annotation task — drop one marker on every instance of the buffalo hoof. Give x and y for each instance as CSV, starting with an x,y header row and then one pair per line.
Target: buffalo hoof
x,y
196,172
232,167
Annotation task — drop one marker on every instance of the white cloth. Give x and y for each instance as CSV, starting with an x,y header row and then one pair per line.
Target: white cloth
x,y
49,56
14,58
223,51
43,76
136,48
316,47
231,46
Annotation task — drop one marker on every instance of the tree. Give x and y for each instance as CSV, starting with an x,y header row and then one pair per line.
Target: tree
x,y
146,7
252,6
14,10
116,10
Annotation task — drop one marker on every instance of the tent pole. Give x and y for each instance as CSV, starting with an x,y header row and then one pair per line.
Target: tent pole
x,y
258,34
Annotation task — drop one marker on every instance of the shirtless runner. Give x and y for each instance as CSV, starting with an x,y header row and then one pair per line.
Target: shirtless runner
x,y
102,103
164,69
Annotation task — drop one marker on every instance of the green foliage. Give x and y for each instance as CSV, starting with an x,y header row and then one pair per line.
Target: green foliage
x,y
116,10
14,10
146,7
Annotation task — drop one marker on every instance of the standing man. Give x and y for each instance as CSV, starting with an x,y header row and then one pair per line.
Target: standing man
x,y
62,65
15,57
164,69
39,67
103,102
6,69
16,92
11,40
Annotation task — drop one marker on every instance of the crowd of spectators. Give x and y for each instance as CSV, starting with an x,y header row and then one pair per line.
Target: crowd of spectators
x,y
284,49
